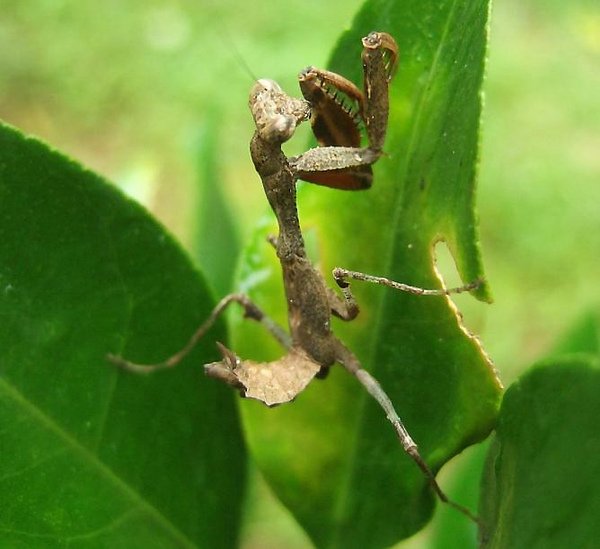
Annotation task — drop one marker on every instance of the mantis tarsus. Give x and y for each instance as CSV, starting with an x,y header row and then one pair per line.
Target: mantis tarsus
x,y
339,162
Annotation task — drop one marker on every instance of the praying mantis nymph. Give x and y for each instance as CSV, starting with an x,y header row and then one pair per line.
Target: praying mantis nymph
x,y
340,162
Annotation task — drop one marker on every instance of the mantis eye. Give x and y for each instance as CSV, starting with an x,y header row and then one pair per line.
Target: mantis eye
x,y
265,84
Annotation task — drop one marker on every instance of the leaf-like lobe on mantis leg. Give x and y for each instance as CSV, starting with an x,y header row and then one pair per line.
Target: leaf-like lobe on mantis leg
x,y
272,383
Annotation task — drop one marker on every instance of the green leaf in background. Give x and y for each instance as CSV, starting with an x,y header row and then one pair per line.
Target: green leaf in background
x,y
91,456
542,477
330,456
445,531
584,337
216,243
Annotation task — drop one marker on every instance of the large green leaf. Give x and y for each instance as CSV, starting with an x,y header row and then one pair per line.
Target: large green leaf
x,y
543,473
330,456
92,456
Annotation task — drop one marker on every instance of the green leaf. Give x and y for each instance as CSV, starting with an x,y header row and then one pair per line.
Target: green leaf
x,y
93,456
543,474
465,486
330,456
216,242
584,337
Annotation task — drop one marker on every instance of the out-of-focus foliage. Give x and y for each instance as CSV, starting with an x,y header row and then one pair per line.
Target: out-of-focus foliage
x,y
128,87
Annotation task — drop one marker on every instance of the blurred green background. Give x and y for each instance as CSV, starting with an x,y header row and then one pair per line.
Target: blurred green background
x,y
153,95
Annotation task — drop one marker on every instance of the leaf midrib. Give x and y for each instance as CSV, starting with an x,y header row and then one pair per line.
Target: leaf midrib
x,y
378,319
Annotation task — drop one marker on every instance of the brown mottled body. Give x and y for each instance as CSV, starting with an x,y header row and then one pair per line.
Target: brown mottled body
x,y
305,289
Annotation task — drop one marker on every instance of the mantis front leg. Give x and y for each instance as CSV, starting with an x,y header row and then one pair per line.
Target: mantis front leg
x,y
338,108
